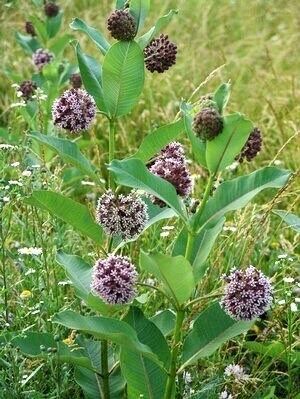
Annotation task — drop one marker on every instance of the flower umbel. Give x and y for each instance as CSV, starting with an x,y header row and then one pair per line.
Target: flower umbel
x,y
51,9
74,111
208,123
27,89
170,165
41,58
29,28
124,215
236,371
121,24
252,146
160,54
114,279
248,294
76,81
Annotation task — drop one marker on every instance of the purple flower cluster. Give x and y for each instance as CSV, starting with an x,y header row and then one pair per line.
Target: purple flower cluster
x,y
160,54
171,165
41,58
114,279
123,215
121,24
248,294
27,89
76,81
51,9
75,110
252,146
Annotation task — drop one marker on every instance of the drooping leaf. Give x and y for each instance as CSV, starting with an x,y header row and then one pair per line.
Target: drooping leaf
x,y
123,77
235,194
290,219
28,43
90,71
143,376
133,173
174,273
140,10
68,210
161,24
211,329
276,350
80,274
222,150
93,34
69,152
158,139
110,329
221,96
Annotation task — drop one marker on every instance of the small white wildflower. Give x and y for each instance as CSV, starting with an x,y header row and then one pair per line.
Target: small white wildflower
x,y
26,173
15,183
6,199
150,281
282,256
187,377
297,300
277,162
30,251
167,228
294,307
164,234
281,302
225,395
36,166
30,271
236,371
233,229
19,104
87,183
63,283
7,147
233,166
15,164
288,279
15,86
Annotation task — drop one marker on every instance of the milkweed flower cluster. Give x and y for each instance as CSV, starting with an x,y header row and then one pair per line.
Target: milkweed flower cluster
x,y
114,279
121,24
74,111
123,215
41,58
208,123
26,89
252,146
51,9
160,54
29,28
171,165
76,81
236,371
248,294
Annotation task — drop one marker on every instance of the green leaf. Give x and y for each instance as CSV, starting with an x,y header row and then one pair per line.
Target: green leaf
x,y
235,194
40,28
143,376
158,139
165,321
140,10
161,24
80,274
90,71
58,45
53,24
133,173
276,350
71,212
28,43
175,273
120,4
198,146
211,329
222,150
93,34
289,218
30,344
221,96
123,77
68,151
113,330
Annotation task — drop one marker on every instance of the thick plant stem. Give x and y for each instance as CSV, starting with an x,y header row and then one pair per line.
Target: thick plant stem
x,y
206,194
104,369
174,353
111,151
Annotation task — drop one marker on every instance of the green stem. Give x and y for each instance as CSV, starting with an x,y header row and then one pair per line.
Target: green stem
x,y
104,369
174,353
206,195
111,151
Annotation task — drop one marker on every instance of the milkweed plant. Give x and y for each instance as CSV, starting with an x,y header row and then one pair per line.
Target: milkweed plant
x,y
137,354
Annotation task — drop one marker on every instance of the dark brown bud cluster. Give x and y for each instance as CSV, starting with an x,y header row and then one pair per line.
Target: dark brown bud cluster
x,y
76,81
27,89
51,9
160,54
252,146
121,24
29,28
208,123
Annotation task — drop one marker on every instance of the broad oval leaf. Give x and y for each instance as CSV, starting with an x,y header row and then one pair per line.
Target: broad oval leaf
x,y
53,24
133,173
222,150
123,77
211,329
140,10
113,330
72,212
221,96
175,274
90,71
158,139
235,194
290,219
160,24
28,43
69,152
165,321
93,34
